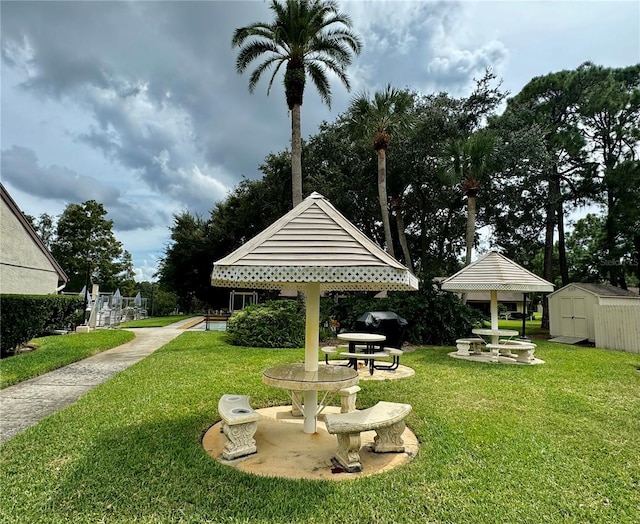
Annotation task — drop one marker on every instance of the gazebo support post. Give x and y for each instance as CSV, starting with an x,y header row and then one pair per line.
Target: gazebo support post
x,y
494,315
311,353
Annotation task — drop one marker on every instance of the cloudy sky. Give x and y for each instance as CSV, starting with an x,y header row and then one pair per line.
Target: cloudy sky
x,y
137,104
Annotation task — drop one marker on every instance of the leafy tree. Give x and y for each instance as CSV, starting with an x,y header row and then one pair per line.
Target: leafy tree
x,y
552,102
309,37
585,249
609,114
160,302
44,226
186,266
432,207
85,243
515,202
377,119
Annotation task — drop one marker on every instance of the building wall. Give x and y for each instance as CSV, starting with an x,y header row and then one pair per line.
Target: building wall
x,y
24,268
618,327
619,301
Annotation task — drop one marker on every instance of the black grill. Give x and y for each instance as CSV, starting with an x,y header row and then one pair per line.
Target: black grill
x,y
386,323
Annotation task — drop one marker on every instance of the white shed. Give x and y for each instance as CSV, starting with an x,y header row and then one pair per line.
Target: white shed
x,y
573,309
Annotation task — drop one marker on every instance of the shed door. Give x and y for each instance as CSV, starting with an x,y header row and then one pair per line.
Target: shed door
x,y
573,317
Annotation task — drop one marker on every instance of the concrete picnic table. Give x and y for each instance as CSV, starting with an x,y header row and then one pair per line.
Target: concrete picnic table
x,y
296,379
495,334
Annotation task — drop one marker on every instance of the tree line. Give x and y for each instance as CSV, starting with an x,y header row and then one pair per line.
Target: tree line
x,y
513,167
82,241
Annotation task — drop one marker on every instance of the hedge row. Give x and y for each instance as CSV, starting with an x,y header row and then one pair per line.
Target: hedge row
x,y
274,324
23,317
435,318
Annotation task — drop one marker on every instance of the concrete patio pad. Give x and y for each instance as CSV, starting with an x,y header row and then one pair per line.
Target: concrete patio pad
x,y
284,450
486,357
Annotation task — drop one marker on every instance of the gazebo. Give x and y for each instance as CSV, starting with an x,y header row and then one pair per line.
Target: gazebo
x,y
313,248
494,272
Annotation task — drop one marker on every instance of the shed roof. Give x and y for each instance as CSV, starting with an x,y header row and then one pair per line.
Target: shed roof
x,y
494,271
313,242
601,290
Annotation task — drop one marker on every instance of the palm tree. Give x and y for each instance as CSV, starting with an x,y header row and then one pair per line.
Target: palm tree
x,y
310,37
469,163
378,119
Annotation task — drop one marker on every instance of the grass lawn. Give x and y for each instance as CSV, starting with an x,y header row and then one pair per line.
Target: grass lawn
x,y
533,327
56,351
154,321
557,442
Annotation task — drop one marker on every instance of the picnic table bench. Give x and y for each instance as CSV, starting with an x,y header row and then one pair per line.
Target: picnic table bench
x,y
523,350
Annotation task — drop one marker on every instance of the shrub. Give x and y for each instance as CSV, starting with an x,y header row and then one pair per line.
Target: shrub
x,y
23,317
435,317
274,324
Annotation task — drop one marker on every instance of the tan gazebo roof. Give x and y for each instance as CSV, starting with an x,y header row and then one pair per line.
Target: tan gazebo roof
x,y
314,242
495,272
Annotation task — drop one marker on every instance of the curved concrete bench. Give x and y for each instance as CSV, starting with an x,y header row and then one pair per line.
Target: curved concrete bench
x,y
239,425
386,418
523,350
464,344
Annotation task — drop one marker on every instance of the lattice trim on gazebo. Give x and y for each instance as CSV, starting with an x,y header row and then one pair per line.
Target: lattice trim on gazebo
x,y
330,278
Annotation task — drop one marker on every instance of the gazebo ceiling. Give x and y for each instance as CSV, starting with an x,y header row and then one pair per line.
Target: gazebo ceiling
x,y
495,272
314,242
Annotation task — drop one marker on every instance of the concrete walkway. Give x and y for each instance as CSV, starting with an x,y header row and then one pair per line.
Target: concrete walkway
x,y
25,404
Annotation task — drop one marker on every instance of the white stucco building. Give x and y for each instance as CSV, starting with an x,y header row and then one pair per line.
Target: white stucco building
x,y
26,265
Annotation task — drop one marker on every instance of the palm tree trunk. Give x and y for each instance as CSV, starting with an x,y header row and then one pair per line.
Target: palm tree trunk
x,y
296,155
382,196
471,228
402,236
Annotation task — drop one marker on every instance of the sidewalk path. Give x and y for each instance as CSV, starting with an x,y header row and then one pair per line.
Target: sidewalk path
x,y
25,404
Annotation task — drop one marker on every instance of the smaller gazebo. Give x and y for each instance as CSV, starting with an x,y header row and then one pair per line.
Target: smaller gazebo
x,y
494,272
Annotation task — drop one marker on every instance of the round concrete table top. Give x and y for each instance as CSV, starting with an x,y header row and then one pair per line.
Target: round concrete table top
x,y
361,337
294,377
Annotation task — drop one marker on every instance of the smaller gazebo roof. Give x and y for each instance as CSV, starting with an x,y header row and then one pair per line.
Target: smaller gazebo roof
x,y
495,272
315,243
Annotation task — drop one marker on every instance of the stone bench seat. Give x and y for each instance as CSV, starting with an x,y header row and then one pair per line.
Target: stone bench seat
x,y
239,425
474,344
347,400
385,418
523,350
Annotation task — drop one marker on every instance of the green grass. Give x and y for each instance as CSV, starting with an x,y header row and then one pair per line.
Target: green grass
x,y
154,321
533,327
510,444
56,351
